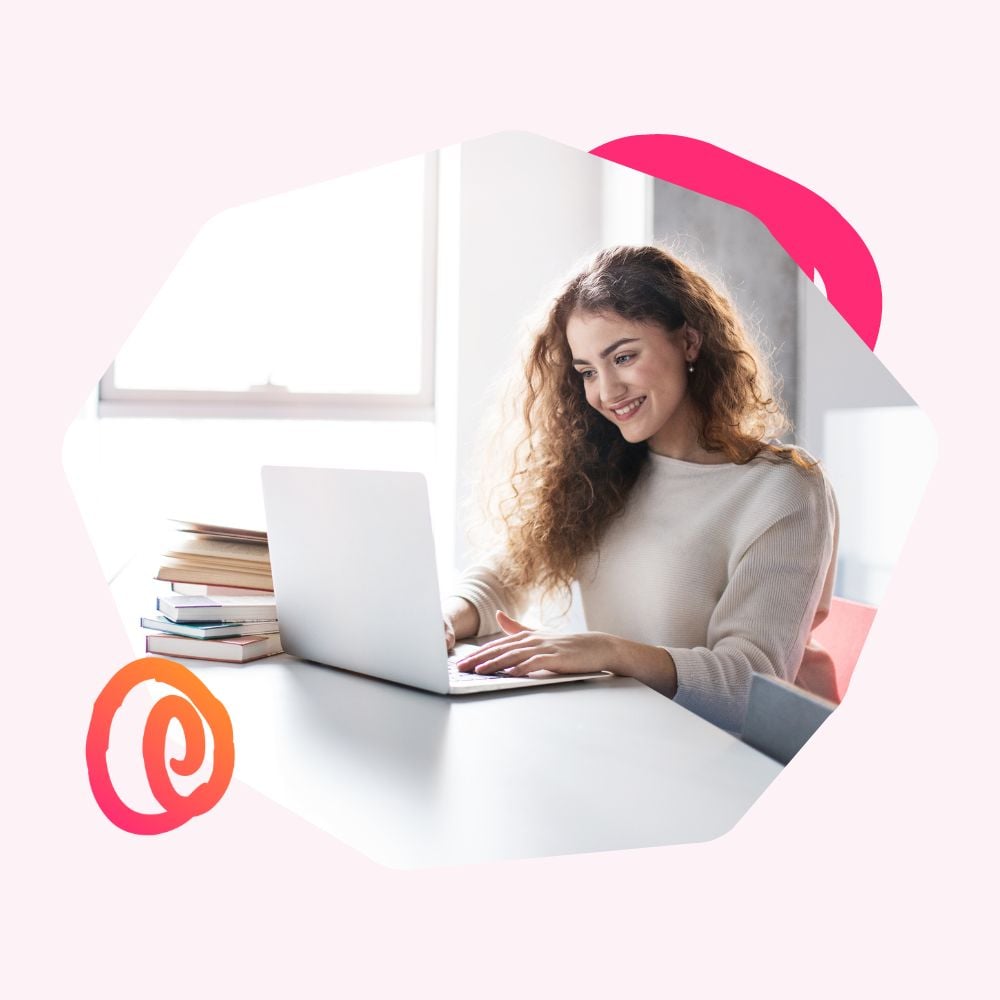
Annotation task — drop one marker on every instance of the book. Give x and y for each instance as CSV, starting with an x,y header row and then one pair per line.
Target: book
x,y
177,571
213,555
240,649
183,609
220,531
209,563
184,545
203,589
209,630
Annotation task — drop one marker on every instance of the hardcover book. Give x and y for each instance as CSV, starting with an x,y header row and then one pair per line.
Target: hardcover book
x,y
241,649
209,630
182,608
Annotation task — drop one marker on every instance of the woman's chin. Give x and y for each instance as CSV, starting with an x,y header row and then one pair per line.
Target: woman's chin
x,y
633,436
634,431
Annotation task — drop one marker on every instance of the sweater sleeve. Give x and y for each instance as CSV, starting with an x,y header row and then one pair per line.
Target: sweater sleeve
x,y
770,604
480,585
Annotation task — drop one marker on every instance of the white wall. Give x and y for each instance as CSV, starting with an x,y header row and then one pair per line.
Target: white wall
x,y
129,474
524,212
879,460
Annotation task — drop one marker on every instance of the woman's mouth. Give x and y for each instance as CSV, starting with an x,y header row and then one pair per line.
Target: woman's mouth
x,y
629,410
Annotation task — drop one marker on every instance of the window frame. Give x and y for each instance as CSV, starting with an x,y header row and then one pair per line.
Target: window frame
x,y
113,401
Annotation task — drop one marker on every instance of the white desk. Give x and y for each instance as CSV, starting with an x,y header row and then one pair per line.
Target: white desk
x,y
414,779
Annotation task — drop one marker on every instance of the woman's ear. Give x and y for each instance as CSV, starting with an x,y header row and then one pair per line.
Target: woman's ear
x,y
692,342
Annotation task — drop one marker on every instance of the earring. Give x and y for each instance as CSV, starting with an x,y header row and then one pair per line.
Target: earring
x,y
690,368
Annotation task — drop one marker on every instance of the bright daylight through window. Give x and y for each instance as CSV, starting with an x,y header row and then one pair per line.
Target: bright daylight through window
x,y
322,292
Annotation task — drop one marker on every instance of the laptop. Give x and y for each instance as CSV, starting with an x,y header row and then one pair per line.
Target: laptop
x,y
355,579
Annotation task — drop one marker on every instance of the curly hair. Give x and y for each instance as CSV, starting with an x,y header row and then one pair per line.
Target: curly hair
x,y
571,470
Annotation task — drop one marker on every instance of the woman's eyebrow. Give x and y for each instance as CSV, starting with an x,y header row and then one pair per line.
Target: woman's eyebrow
x,y
609,349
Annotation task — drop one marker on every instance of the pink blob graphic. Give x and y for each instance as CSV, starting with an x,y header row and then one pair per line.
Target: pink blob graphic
x,y
814,234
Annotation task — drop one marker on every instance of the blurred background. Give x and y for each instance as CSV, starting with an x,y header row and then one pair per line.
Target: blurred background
x,y
366,323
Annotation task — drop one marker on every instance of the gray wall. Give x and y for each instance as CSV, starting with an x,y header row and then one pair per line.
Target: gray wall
x,y
837,371
738,253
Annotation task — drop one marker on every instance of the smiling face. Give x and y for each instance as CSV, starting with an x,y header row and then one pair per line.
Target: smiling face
x,y
635,375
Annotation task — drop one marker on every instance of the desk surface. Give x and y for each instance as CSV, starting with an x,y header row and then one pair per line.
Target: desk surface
x,y
414,779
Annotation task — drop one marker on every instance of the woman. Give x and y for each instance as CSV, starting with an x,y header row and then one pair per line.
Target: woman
x,y
646,470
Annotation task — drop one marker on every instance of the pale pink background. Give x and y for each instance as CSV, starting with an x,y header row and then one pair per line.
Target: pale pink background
x,y
871,861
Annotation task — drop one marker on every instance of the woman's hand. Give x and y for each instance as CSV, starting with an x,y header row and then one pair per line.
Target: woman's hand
x,y
522,651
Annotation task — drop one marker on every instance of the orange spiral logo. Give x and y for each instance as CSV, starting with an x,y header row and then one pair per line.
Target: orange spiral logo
x,y
178,809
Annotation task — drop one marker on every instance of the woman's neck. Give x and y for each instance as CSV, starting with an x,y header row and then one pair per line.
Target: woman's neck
x,y
696,455
681,442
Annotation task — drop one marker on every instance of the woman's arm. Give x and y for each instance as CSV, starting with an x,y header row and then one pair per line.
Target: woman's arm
x,y
472,607
461,620
764,616
653,665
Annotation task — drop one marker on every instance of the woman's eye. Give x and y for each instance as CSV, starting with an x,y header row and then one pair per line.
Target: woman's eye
x,y
621,359
587,375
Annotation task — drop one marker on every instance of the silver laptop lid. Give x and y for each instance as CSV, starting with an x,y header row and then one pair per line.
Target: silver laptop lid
x,y
352,558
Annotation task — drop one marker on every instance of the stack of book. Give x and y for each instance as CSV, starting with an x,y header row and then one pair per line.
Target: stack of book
x,y
232,629
221,606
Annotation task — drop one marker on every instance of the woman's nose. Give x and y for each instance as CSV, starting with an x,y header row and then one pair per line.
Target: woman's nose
x,y
612,387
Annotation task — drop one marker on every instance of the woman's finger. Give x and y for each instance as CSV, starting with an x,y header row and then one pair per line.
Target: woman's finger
x,y
497,659
510,625
504,660
492,649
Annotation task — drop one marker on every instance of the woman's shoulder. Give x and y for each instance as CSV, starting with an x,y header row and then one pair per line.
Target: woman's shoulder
x,y
791,476
789,457
779,477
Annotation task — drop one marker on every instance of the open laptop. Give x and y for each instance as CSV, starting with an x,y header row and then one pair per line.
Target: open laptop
x,y
355,579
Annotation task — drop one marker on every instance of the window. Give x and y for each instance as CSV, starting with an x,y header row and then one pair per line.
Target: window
x,y
879,460
315,303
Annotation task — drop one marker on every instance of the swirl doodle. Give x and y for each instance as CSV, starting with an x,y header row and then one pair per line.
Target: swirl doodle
x,y
198,704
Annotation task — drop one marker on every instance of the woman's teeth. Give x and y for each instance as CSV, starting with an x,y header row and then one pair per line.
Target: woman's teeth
x,y
631,408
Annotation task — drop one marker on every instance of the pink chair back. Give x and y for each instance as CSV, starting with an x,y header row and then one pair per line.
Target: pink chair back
x,y
843,635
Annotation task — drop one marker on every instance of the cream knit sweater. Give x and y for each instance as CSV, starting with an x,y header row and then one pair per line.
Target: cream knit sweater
x,y
728,567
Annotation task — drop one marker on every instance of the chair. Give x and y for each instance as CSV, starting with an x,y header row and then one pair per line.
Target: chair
x,y
843,635
781,717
